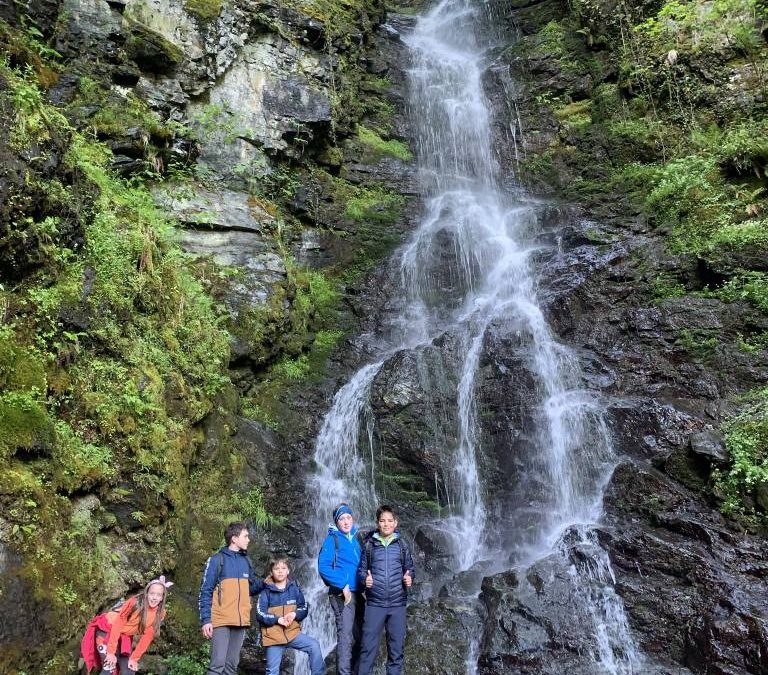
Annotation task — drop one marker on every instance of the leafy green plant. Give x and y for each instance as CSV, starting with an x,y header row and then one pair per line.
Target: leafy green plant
x,y
747,442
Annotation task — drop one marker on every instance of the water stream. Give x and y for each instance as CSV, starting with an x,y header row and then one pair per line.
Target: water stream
x,y
466,270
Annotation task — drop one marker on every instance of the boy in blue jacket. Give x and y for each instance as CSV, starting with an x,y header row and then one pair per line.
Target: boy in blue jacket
x,y
281,609
386,570
337,565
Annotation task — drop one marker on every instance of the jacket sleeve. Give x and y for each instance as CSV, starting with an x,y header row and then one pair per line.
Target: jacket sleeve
x,y
205,598
143,644
256,585
362,569
302,608
334,577
265,618
409,566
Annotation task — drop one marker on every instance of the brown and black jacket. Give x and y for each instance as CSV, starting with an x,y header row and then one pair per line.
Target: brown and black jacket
x,y
275,602
225,593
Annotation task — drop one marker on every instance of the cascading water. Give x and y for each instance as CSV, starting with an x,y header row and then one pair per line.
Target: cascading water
x,y
467,270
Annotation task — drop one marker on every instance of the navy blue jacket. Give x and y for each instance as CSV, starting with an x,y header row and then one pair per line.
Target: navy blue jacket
x,y
274,603
289,597
338,560
225,592
387,569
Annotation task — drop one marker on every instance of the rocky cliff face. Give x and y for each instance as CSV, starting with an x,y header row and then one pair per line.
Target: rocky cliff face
x,y
155,403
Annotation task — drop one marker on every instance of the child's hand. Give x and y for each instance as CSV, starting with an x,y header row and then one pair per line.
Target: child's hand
x,y
347,594
110,661
369,580
281,620
290,618
208,630
407,579
133,665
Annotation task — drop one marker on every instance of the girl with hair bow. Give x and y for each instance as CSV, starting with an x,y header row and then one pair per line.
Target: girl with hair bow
x,y
108,641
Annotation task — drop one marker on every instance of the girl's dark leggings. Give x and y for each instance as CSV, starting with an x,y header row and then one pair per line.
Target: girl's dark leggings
x,y
101,647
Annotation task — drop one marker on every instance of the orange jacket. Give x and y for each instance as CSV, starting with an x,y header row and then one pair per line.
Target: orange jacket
x,y
126,622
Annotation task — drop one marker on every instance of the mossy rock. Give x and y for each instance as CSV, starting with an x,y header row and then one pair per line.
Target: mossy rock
x,y
151,51
20,369
24,424
204,10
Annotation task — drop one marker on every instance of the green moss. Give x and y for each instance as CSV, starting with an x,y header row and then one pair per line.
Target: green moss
x,y
665,286
374,205
24,423
306,345
116,403
576,113
536,169
743,149
377,147
205,10
749,286
21,369
151,49
700,344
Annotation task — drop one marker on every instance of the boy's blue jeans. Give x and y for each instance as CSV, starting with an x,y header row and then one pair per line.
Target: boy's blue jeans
x,y
378,619
303,643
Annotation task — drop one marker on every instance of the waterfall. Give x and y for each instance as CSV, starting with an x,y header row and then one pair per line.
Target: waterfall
x,y
467,269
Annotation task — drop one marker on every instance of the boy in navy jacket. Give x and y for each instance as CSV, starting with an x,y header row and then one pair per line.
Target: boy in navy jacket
x,y
280,609
386,570
225,600
337,565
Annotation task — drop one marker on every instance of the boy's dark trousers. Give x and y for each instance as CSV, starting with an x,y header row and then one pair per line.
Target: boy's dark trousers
x,y
377,619
349,627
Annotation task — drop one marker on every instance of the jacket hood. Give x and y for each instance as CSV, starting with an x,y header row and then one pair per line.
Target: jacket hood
x,y
378,537
332,529
270,584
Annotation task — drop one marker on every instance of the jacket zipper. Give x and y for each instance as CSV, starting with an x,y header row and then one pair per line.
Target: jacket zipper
x,y
239,617
386,570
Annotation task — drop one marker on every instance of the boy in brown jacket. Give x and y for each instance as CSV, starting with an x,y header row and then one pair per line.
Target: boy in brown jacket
x,y
225,600
281,608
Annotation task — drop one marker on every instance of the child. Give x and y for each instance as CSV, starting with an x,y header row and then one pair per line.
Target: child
x,y
225,599
337,564
107,642
386,570
281,607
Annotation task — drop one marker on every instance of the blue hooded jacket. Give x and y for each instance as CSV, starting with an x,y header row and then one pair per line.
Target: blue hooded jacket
x,y
388,565
344,570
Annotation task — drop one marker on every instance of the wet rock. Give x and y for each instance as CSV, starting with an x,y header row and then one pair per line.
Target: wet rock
x,y
223,209
695,591
709,445
412,399
529,628
439,633
32,618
